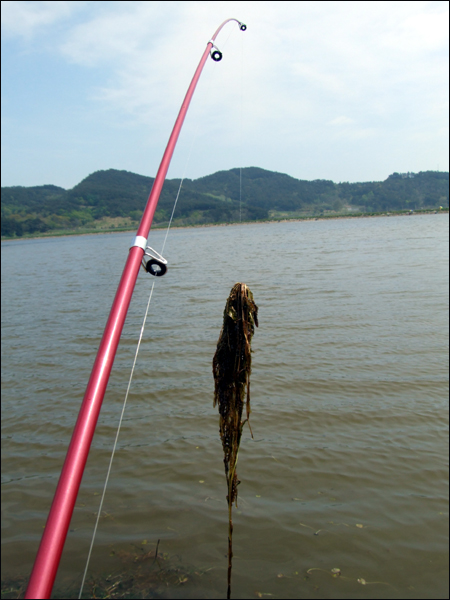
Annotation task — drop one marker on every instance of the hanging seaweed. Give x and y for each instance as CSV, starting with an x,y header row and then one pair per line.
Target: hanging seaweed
x,y
231,368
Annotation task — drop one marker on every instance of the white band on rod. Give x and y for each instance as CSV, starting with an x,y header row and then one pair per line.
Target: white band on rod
x,y
139,241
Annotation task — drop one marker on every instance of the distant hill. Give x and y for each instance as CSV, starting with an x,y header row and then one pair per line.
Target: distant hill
x,y
116,199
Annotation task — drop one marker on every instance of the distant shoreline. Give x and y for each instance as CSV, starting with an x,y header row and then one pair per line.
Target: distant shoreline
x,y
262,222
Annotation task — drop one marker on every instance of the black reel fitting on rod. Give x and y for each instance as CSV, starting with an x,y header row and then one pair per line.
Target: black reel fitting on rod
x,y
155,264
216,55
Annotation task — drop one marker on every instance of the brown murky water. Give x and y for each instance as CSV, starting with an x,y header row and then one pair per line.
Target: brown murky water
x,y
349,466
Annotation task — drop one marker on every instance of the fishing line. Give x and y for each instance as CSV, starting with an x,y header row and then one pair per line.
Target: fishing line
x,y
240,117
226,41
232,31
194,139
179,188
240,130
115,442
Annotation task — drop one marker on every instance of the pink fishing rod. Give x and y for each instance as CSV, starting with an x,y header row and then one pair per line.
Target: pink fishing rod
x,y
48,556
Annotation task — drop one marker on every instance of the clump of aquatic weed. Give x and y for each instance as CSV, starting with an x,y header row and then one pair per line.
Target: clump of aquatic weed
x,y
145,574
231,369
141,574
14,588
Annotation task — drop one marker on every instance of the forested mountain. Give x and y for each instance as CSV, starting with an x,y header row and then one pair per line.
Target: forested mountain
x,y
118,198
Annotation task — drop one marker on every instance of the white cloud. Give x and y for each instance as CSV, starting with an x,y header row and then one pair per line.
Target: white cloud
x,y
418,32
146,56
342,120
116,35
297,53
25,18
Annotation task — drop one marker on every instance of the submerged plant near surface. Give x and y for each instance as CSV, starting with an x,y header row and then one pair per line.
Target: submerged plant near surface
x,y
231,368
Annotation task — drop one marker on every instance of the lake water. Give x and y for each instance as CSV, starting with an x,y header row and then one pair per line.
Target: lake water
x,y
348,468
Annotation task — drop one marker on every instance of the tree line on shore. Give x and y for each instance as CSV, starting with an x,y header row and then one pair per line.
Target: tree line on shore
x,y
248,194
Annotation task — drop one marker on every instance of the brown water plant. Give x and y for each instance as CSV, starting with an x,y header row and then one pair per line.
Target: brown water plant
x,y
231,368
133,573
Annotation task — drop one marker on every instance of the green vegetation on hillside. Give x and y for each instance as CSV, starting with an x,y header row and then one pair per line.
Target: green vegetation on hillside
x,y
115,199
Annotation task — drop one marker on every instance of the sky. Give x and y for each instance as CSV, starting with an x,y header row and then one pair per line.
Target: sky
x,y
347,91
